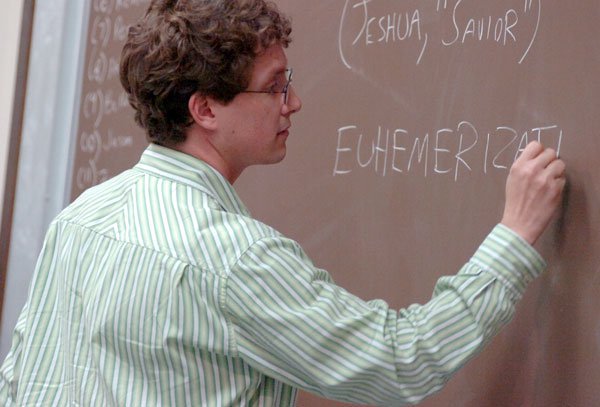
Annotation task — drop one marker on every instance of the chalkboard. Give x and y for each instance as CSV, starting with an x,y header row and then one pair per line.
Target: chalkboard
x,y
108,141
413,111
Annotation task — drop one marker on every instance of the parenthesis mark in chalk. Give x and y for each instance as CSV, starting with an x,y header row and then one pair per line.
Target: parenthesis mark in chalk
x,y
528,5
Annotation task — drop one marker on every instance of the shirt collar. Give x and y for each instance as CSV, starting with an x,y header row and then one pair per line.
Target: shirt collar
x,y
186,169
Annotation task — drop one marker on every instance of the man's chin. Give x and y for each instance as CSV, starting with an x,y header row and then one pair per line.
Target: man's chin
x,y
277,158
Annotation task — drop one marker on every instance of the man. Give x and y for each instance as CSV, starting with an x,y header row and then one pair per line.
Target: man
x,y
158,288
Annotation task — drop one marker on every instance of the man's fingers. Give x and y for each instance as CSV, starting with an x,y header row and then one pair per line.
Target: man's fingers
x,y
531,151
546,157
540,157
557,168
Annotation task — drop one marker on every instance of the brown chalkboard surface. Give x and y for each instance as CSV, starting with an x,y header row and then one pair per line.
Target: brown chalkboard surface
x,y
413,113
108,141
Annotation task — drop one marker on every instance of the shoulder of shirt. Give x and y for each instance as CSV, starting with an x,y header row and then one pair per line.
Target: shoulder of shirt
x,y
196,230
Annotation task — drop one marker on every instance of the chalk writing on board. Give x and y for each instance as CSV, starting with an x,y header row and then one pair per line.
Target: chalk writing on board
x,y
99,104
449,23
453,151
95,144
108,6
102,135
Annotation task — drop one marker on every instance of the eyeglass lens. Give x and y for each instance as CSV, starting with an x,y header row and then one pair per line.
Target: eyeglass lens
x,y
287,85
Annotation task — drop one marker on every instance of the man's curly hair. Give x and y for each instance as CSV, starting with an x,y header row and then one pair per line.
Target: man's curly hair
x,y
181,47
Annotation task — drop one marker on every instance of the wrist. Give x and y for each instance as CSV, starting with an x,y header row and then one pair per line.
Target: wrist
x,y
522,231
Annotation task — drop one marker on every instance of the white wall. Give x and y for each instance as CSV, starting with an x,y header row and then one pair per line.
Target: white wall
x,y
10,30
46,139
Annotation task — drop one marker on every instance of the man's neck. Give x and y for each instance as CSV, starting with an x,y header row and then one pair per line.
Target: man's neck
x,y
200,147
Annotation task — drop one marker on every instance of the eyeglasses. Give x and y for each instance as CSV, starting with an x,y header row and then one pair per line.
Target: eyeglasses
x,y
278,87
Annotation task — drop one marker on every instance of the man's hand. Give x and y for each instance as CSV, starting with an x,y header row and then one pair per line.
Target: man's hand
x,y
533,191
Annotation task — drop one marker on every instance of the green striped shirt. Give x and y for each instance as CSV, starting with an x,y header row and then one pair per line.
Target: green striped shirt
x,y
157,288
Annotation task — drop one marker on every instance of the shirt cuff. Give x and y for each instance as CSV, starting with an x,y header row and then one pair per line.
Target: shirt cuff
x,y
510,259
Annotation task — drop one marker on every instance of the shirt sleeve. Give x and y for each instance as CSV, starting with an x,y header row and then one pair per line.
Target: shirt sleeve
x,y
291,322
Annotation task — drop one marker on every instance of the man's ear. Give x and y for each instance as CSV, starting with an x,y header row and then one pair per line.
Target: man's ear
x,y
201,112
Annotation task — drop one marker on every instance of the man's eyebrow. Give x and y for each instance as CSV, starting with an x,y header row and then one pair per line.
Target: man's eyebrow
x,y
277,72
273,75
